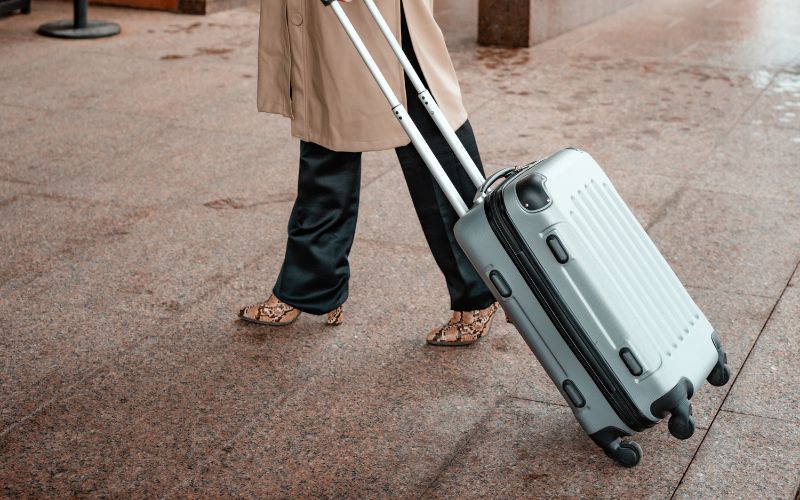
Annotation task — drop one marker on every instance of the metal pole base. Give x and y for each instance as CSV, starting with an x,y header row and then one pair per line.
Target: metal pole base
x,y
67,29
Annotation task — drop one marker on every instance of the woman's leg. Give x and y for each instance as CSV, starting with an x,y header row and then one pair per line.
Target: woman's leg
x,y
315,273
467,290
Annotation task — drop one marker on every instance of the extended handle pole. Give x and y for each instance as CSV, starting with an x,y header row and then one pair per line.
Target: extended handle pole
x,y
427,99
400,113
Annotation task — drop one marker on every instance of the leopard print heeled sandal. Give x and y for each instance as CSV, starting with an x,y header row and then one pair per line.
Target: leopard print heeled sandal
x,y
464,328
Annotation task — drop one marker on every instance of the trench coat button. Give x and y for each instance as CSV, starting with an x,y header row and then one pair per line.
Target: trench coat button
x,y
297,19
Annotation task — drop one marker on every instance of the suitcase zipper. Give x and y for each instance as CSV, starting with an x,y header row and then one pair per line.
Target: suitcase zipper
x,y
560,315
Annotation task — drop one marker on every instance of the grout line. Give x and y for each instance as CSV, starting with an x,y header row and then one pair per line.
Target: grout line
x,y
80,252
663,210
378,177
777,199
584,40
734,379
11,180
729,291
384,243
86,201
743,413
675,22
8,201
564,405
64,394
24,106
463,444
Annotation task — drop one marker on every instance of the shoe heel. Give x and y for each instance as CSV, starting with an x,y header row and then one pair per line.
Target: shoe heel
x,y
336,317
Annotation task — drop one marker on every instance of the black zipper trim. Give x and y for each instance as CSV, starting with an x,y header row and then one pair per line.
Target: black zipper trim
x,y
560,315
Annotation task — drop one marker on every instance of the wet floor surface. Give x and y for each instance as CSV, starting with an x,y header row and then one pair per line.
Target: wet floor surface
x,y
143,200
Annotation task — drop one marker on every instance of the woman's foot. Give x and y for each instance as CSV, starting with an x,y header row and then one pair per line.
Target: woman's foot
x,y
464,328
273,312
336,317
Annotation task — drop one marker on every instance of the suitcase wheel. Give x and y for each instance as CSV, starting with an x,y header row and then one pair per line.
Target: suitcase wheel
x,y
629,454
681,423
626,453
720,375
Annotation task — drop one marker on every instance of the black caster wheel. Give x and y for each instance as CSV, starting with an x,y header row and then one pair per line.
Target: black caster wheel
x,y
629,454
719,376
681,426
625,453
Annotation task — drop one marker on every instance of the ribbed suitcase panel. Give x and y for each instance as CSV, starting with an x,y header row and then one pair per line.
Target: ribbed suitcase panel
x,y
658,305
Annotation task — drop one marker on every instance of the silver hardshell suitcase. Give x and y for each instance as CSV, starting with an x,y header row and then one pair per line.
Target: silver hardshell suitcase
x,y
581,280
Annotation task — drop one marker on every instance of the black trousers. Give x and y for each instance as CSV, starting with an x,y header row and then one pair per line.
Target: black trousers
x,y
315,273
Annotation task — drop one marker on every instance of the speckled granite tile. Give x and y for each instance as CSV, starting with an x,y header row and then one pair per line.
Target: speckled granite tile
x,y
754,160
162,264
715,240
370,439
738,319
61,145
16,118
147,422
38,227
620,136
387,212
111,74
526,448
156,409
45,356
10,191
779,106
120,294
745,457
769,381
373,388
145,384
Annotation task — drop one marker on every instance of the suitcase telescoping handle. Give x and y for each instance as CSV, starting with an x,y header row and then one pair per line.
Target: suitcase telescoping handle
x,y
402,115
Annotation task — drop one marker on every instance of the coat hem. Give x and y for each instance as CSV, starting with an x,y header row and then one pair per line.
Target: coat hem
x,y
276,108
364,146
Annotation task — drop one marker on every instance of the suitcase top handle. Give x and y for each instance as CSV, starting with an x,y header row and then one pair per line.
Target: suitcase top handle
x,y
486,188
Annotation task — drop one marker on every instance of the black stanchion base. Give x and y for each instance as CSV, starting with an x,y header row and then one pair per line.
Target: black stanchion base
x,y
9,6
67,29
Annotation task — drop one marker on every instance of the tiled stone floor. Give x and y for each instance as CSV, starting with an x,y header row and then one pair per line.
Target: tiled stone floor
x,y
143,200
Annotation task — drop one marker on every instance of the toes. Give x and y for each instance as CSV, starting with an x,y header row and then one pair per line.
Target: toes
x,y
247,312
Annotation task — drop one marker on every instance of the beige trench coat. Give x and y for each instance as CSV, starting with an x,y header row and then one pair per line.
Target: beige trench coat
x,y
308,70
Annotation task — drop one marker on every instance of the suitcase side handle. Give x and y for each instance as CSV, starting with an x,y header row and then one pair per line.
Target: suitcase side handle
x,y
449,189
